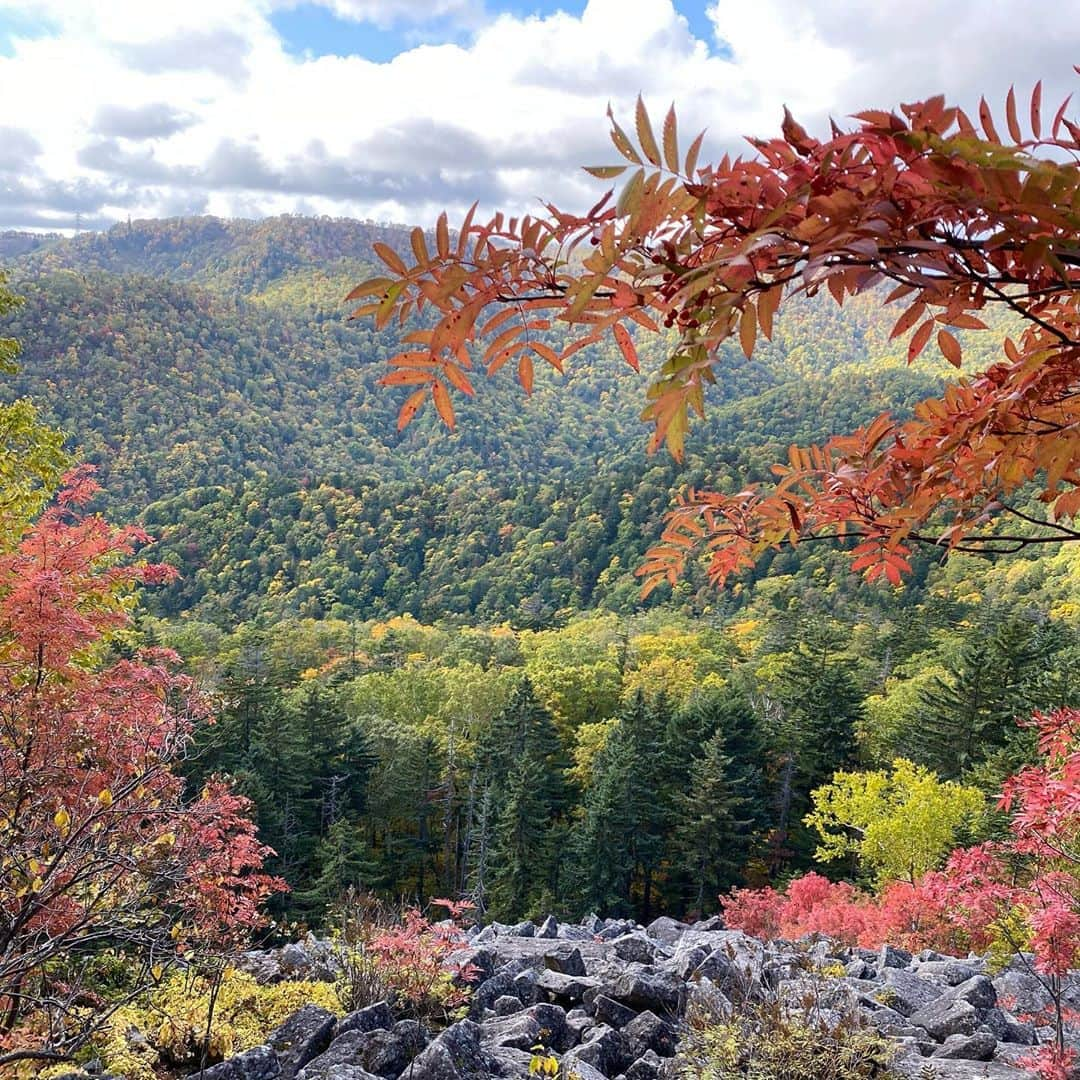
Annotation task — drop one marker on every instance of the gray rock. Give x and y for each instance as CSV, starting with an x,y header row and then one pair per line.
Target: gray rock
x,y
258,1063
524,985
303,1036
295,961
574,933
979,990
581,1069
604,1049
649,988
564,989
947,1016
566,959
1023,991
951,972
539,1025
593,924
635,947
523,929
859,969
578,1024
506,1005
648,1032
370,1018
891,957
647,1067
549,928
506,1061
906,992
502,984
482,958
666,930
609,1011
979,1046
456,1054
917,1068
687,960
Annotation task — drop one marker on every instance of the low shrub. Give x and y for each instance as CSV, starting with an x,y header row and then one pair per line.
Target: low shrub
x,y
167,1029
782,1040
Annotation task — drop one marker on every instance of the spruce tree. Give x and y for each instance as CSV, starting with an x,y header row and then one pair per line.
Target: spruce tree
x,y
713,836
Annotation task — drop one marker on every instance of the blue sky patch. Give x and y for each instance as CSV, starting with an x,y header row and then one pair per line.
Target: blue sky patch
x,y
13,25
310,29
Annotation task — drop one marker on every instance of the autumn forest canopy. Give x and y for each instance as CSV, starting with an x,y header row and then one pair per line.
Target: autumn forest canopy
x,y
747,584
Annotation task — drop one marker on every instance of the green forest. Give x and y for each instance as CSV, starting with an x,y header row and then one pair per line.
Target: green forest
x,y
430,663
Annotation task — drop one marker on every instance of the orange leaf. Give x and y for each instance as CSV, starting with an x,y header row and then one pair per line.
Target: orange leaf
x,y
458,378
410,408
441,397
919,340
748,329
1036,102
950,347
1010,116
645,133
626,345
908,320
416,238
442,236
671,140
525,373
390,257
405,377
605,172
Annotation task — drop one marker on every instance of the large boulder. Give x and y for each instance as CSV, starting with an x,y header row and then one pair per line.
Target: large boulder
x,y
258,1063
947,1016
649,988
303,1036
456,1054
666,930
539,1025
369,1018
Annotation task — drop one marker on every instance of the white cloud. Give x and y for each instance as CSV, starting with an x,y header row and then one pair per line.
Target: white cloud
x,y
180,105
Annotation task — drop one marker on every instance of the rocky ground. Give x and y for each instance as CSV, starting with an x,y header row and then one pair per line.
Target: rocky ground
x,y
607,998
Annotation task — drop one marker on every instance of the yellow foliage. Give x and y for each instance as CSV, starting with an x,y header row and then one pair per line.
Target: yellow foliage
x,y
168,1026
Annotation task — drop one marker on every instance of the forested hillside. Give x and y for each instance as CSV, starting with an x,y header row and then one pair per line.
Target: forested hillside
x,y
431,662
208,370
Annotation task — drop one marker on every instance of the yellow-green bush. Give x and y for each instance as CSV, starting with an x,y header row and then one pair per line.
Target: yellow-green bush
x,y
769,1042
168,1026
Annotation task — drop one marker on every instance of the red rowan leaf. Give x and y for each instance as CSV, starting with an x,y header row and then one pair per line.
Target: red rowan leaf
x,y
1010,116
1036,103
987,121
622,143
626,346
908,319
919,340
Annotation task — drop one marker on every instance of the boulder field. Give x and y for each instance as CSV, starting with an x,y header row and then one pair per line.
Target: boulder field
x,y
608,998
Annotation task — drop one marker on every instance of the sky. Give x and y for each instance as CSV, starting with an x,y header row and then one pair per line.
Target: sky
x,y
392,110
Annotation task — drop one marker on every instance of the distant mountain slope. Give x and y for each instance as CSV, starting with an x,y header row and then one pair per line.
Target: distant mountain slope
x,y
197,361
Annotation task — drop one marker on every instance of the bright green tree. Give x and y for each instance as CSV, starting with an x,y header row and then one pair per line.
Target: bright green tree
x,y
897,824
